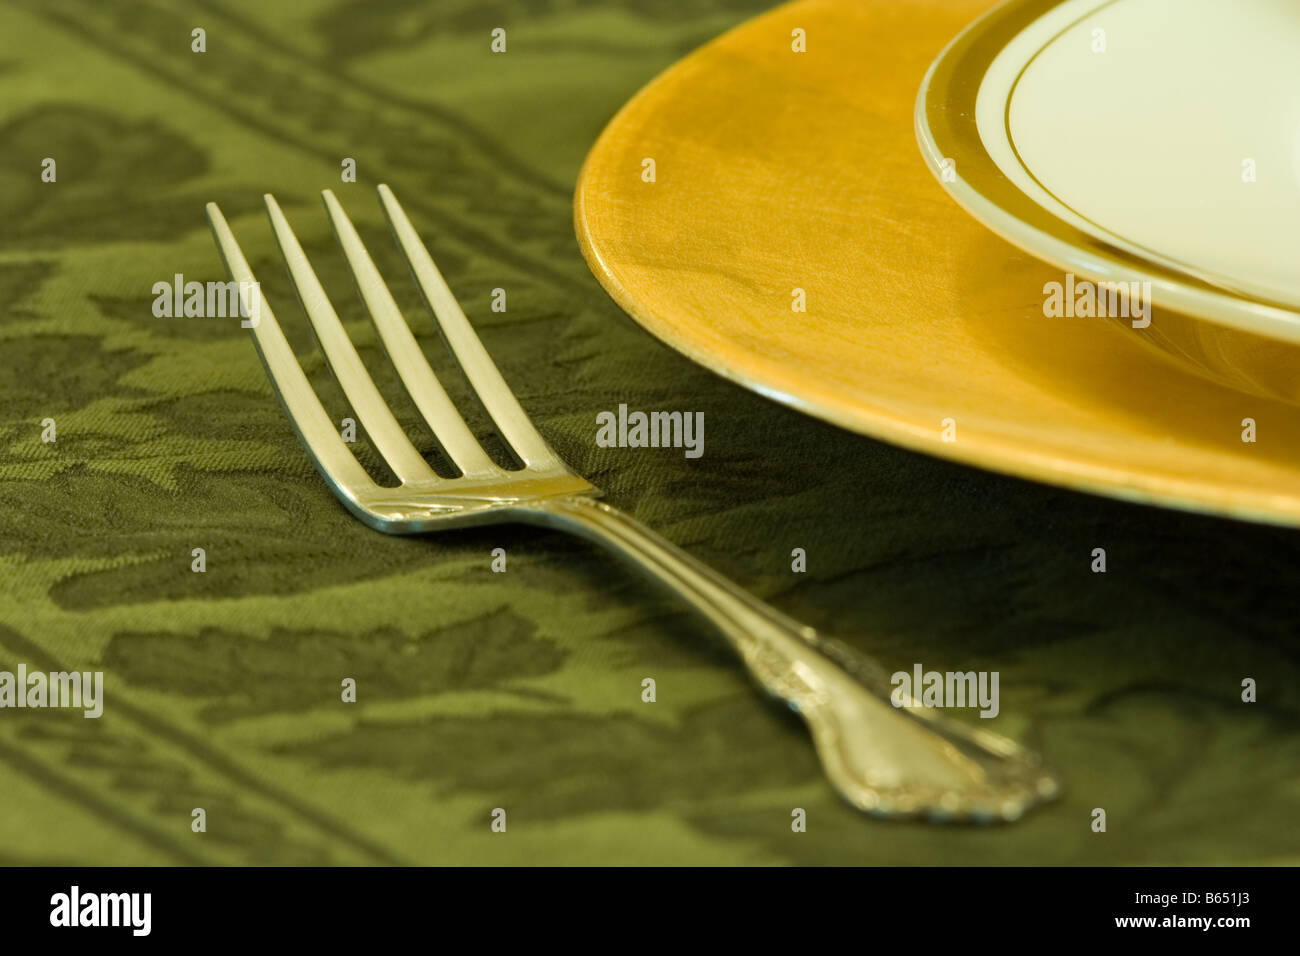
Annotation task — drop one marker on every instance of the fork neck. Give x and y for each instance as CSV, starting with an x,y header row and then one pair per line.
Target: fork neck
x,y
739,615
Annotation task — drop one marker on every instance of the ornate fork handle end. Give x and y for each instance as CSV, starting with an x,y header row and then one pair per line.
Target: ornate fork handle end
x,y
900,762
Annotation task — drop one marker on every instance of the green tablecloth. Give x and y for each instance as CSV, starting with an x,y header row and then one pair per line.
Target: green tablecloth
x,y
480,690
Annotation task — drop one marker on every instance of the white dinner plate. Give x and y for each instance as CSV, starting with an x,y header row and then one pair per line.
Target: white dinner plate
x,y
1125,141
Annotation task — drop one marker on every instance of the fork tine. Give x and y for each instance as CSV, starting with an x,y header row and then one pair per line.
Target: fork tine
x,y
412,367
406,462
474,360
339,466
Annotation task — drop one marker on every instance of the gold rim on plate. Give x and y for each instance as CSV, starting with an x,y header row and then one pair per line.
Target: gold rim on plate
x,y
1219,327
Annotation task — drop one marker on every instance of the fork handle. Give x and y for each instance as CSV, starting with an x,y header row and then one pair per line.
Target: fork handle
x,y
885,759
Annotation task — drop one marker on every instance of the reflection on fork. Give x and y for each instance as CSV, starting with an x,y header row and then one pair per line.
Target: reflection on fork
x,y
889,761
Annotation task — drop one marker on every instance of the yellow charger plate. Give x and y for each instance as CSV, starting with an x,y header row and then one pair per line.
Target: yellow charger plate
x,y
754,177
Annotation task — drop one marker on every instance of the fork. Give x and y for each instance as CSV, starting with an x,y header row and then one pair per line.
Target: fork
x,y
887,760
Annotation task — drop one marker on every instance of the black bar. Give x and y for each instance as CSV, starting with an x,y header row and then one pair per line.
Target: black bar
x,y
331,906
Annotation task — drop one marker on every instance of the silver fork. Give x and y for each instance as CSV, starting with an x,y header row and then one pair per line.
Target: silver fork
x,y
886,760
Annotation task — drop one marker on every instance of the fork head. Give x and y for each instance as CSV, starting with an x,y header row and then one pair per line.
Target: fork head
x,y
484,491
